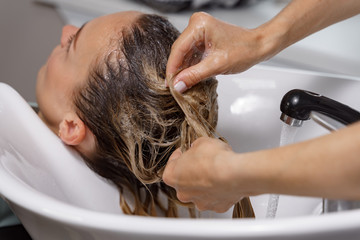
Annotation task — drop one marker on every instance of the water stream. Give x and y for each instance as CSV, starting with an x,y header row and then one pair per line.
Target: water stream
x,y
286,137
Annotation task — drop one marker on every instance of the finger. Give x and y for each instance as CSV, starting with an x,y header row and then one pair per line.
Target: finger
x,y
199,141
179,49
175,155
206,140
221,209
192,35
185,198
202,206
169,168
209,205
194,74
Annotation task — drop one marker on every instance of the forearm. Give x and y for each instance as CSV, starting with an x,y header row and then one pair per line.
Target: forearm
x,y
302,18
328,166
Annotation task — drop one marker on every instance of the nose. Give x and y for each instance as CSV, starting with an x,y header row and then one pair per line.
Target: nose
x,y
67,31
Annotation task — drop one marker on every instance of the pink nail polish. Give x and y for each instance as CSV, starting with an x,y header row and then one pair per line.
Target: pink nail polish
x,y
180,87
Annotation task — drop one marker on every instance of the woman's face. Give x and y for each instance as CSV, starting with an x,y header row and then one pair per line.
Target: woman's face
x,y
70,62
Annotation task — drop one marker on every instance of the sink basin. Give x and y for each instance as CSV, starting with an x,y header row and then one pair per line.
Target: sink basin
x,y
56,196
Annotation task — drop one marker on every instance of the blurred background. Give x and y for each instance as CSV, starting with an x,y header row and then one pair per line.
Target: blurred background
x,y
30,29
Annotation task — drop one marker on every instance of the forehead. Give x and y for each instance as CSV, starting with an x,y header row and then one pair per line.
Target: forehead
x,y
98,34
125,17
112,23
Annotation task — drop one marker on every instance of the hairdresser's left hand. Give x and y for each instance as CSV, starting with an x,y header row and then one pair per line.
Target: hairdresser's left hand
x,y
203,175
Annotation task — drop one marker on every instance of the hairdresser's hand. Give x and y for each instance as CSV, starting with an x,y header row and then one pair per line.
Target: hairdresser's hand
x,y
202,175
221,48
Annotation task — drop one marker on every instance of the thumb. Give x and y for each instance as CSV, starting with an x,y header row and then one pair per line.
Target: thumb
x,y
194,74
170,166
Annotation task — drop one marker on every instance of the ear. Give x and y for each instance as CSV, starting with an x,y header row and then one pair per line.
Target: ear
x,y
72,130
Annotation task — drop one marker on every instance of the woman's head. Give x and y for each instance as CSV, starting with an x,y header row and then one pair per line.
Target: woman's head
x,y
68,67
119,114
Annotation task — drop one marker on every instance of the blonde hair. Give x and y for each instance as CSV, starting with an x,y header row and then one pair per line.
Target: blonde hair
x,y
138,122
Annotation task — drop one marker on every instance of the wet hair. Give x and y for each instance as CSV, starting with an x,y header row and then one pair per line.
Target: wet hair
x,y
138,122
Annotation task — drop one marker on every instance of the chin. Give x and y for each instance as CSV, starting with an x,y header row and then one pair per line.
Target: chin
x,y
40,76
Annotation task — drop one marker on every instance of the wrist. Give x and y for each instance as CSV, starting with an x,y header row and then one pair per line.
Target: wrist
x,y
255,173
244,174
272,38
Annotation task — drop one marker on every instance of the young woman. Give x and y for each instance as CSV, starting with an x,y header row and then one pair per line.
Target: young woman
x,y
103,92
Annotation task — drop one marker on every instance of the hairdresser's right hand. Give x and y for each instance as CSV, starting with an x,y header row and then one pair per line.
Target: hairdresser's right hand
x,y
225,49
204,175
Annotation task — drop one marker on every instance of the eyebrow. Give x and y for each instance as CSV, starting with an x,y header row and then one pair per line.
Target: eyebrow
x,y
77,35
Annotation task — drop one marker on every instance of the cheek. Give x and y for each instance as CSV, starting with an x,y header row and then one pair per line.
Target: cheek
x,y
49,91
51,72
60,72
44,97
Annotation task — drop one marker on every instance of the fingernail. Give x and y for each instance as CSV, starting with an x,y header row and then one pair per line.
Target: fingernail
x,y
166,83
180,87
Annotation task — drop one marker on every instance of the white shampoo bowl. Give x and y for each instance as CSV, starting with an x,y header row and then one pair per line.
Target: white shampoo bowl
x,y
56,196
